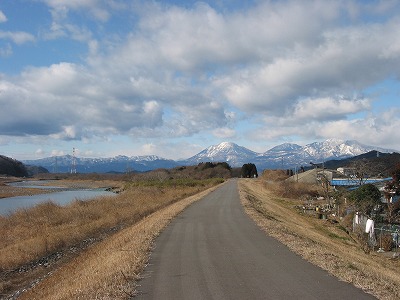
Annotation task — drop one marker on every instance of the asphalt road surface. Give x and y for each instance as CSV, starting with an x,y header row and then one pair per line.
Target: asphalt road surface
x,y
213,250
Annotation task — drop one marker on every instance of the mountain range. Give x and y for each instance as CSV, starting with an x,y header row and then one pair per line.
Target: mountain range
x,y
284,156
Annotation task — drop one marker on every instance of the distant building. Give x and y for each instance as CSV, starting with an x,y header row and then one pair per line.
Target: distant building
x,y
346,171
351,182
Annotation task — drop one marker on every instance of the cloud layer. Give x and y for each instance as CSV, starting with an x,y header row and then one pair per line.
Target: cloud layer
x,y
289,68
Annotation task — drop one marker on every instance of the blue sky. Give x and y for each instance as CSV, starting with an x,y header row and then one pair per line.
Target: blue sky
x,y
170,78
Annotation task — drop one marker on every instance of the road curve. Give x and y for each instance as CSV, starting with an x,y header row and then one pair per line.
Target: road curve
x,y
213,250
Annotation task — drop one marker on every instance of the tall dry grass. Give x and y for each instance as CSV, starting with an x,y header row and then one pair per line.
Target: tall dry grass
x,y
29,234
274,175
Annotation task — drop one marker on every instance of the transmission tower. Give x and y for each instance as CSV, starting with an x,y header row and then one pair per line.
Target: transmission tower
x,y
73,163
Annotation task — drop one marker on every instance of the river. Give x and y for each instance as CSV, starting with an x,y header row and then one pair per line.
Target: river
x,y
62,197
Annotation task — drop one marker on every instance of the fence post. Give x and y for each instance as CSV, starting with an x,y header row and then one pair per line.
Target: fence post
x,y
380,250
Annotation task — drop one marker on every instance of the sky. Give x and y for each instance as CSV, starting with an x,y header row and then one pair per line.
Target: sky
x,y
170,78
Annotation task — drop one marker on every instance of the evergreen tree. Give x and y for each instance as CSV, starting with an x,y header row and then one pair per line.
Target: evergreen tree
x,y
249,171
365,198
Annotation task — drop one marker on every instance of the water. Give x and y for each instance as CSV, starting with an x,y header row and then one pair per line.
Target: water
x,y
9,205
37,184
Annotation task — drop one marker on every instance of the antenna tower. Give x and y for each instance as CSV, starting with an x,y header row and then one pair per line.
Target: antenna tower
x,y
73,164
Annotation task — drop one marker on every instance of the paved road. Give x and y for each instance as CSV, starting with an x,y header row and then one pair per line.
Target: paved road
x,y
213,250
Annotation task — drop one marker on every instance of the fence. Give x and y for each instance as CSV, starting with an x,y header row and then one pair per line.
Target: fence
x,y
388,237
385,237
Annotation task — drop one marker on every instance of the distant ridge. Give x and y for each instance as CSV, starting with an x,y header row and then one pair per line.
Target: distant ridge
x,y
282,156
117,164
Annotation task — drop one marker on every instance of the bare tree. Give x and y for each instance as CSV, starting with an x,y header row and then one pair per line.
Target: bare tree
x,y
362,169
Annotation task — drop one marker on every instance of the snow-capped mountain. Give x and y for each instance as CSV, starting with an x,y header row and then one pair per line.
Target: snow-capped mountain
x,y
290,155
337,149
285,156
231,153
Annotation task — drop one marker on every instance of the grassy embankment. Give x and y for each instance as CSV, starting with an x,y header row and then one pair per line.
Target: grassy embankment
x,y
322,242
30,234
109,269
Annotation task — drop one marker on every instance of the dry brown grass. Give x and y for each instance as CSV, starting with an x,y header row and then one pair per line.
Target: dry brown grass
x,y
108,270
320,242
30,234
274,175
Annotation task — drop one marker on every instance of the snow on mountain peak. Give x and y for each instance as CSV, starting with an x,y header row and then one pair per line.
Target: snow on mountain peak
x,y
224,152
224,146
282,156
284,147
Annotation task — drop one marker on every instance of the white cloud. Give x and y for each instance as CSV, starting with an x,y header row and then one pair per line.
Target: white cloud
x,y
57,153
224,133
39,152
328,108
69,102
373,130
96,8
62,27
18,37
345,60
181,71
148,149
3,17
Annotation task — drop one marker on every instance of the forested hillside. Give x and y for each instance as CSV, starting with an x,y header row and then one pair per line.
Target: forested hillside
x,y
12,167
